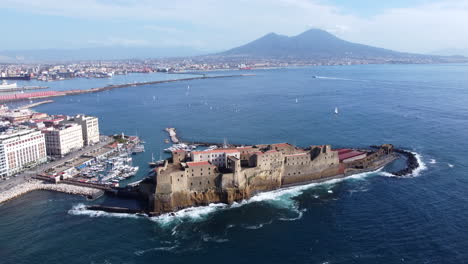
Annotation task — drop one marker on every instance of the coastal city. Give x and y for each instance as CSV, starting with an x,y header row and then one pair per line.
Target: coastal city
x,y
54,71
41,148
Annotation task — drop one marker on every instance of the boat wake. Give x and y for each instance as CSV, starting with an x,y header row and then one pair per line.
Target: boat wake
x,y
333,78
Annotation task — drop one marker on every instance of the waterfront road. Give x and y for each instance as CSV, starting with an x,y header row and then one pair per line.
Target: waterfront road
x,y
27,175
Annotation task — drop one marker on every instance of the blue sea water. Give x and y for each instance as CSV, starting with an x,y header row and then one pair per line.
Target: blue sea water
x,y
370,218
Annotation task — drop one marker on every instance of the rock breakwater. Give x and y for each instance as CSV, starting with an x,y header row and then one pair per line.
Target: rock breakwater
x,y
35,185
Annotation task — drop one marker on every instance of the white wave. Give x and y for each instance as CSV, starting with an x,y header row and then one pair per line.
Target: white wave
x,y
416,172
450,165
191,213
422,166
387,174
280,198
432,161
80,209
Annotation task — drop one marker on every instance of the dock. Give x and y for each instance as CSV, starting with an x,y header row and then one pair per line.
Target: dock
x,y
35,104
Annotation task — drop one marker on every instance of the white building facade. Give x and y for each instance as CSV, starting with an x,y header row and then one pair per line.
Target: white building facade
x,y
90,126
217,157
63,139
20,149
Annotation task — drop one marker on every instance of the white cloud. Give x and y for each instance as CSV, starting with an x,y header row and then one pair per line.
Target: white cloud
x,y
225,23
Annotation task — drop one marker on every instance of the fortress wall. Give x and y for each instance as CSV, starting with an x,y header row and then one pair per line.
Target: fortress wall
x,y
201,183
179,181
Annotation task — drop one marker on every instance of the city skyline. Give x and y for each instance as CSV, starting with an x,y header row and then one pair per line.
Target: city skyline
x,y
412,26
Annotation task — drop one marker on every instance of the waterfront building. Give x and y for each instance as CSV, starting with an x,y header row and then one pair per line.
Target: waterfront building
x,y
217,157
90,127
63,139
20,148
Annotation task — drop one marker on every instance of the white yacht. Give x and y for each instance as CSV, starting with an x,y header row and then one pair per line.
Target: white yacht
x,y
5,85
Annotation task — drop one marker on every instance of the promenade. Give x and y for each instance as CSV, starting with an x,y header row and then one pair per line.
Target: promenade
x,y
21,181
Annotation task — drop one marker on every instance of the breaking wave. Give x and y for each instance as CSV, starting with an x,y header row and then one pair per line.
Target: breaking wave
x,y
281,198
192,214
422,166
80,209
416,172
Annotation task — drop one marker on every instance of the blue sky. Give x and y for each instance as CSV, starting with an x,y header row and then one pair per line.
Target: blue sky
x,y
213,25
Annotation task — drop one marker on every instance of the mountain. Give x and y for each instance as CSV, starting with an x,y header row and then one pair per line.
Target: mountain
x,y
97,53
314,43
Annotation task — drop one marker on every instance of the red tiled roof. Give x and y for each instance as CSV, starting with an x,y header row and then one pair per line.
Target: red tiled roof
x,y
197,163
350,154
216,151
344,150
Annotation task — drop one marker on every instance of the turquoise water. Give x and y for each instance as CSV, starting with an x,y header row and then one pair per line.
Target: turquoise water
x,y
369,218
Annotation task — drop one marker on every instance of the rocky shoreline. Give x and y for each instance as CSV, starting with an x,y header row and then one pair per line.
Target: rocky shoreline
x,y
36,185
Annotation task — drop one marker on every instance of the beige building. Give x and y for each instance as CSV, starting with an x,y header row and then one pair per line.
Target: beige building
x,y
19,149
90,127
217,157
63,139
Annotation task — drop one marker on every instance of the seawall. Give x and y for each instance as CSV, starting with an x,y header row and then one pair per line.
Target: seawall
x,y
50,94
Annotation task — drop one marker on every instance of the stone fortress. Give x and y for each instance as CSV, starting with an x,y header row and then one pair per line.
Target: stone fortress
x,y
233,174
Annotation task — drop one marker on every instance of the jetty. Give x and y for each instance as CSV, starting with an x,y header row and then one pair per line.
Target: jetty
x,y
50,94
35,104
172,134
36,185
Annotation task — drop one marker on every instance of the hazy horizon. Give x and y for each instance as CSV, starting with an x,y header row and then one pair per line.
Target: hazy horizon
x,y
418,26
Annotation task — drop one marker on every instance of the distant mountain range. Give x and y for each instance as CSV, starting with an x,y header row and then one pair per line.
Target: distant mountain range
x,y
313,44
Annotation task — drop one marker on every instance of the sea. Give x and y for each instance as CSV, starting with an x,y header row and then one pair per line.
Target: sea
x,y
367,218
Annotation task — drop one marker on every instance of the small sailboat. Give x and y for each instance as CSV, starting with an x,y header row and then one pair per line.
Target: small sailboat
x,y
297,100
336,110
152,163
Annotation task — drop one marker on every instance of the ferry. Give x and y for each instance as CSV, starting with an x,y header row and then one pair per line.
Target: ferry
x,y
7,86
